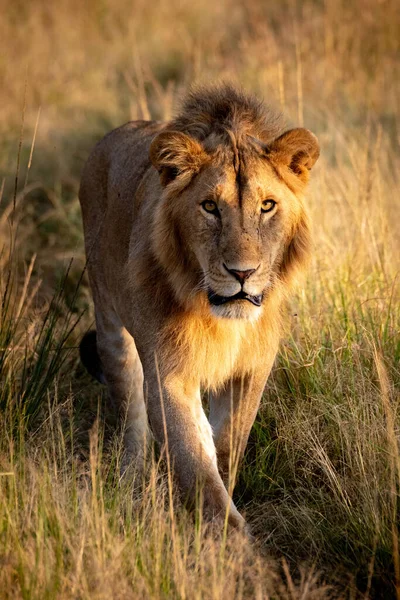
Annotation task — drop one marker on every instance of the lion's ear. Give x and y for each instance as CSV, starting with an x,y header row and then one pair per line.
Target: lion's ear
x,y
174,153
297,149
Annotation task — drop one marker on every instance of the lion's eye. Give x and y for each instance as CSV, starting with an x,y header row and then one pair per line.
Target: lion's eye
x,y
268,205
210,207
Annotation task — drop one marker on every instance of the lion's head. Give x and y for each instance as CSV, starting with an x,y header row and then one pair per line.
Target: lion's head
x,y
232,224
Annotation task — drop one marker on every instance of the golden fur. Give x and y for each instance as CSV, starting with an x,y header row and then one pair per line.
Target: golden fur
x,y
189,267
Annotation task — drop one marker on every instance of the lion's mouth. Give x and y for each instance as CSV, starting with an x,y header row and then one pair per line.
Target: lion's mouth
x,y
217,300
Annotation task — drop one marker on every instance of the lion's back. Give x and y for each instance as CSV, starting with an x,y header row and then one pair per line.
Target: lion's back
x,y
110,180
119,159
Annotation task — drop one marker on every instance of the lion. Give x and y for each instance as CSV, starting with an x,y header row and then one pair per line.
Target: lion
x,y
195,231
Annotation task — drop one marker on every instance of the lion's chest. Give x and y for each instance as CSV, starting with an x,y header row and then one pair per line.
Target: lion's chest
x,y
212,351
218,358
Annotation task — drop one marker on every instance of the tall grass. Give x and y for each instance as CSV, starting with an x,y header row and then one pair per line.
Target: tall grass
x,y
320,480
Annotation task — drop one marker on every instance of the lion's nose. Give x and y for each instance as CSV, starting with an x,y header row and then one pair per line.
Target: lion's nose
x,y
241,276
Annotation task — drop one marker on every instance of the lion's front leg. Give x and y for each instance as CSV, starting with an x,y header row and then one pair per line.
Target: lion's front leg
x,y
232,413
178,422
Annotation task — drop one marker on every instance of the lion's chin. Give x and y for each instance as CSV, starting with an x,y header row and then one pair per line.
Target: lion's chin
x,y
237,309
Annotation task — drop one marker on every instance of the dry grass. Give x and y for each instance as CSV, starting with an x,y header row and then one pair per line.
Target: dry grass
x,y
321,477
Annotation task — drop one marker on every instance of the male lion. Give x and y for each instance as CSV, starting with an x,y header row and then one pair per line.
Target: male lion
x,y
194,230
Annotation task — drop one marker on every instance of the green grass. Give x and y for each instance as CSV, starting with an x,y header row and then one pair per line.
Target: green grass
x,y
320,480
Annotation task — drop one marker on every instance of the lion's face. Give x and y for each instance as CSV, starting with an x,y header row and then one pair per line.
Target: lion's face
x,y
241,224
238,228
